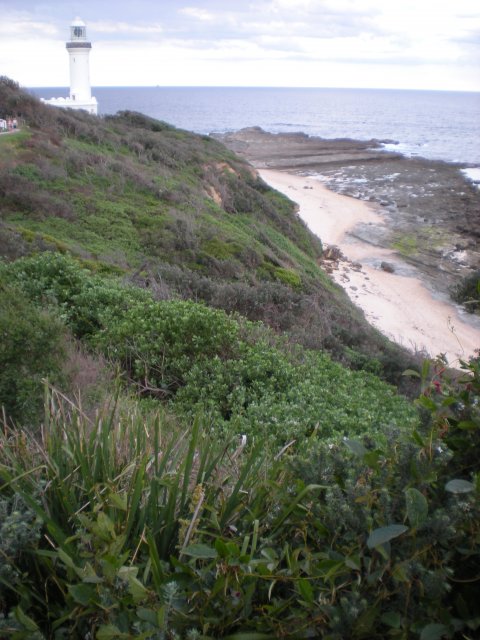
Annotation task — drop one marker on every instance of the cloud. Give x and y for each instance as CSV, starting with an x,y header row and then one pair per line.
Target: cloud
x,y
247,41
197,13
126,27
19,24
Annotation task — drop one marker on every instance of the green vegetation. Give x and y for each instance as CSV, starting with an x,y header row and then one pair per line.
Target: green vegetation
x,y
183,452
127,528
238,373
31,348
467,292
176,212
406,245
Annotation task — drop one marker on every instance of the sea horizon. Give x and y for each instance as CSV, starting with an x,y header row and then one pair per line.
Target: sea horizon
x,y
434,124
234,86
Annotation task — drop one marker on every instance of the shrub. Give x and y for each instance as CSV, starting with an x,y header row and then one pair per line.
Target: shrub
x,y
274,397
19,534
146,532
288,276
59,283
157,343
195,356
467,292
31,348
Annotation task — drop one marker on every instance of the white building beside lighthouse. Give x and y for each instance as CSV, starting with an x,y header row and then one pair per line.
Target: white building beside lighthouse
x,y
78,48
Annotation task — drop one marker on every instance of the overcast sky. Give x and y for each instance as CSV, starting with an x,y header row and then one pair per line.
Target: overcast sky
x,y
410,44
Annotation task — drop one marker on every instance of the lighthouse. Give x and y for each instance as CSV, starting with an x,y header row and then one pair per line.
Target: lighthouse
x,y
78,48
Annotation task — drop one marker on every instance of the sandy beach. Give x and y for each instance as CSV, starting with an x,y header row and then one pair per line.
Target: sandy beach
x,y
397,303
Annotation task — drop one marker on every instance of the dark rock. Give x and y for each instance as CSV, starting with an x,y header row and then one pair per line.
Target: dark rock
x,y
388,267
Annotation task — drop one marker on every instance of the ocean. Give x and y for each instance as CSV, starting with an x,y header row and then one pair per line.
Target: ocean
x,y
431,124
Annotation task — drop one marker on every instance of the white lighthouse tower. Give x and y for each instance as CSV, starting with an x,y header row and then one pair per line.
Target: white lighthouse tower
x,y
78,48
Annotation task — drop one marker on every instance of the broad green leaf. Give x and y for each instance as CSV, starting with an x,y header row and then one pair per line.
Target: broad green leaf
x,y
136,588
200,551
467,425
269,553
392,619
417,507
353,562
306,591
427,403
371,458
89,574
82,593
24,620
433,631
447,402
385,534
399,573
149,615
106,528
125,573
459,486
418,439
221,548
411,372
110,632
68,561
118,500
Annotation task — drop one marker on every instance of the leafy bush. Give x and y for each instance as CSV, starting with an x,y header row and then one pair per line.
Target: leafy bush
x,y
157,343
146,532
19,534
198,357
31,348
59,283
270,396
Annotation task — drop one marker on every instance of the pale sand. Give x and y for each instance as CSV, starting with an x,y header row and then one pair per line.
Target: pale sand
x,y
401,307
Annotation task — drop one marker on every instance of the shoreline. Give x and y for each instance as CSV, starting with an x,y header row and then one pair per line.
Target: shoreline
x,y
430,207
397,303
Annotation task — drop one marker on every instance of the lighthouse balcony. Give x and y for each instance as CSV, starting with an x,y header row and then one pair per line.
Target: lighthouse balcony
x,y
79,45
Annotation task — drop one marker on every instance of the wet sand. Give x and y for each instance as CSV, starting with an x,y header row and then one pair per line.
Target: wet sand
x,y
398,304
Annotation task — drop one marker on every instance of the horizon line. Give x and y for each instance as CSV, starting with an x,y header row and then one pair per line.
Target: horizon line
x,y
158,86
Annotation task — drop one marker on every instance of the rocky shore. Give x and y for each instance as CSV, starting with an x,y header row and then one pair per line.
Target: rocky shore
x,y
431,212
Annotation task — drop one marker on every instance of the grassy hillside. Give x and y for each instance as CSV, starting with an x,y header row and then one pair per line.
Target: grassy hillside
x,y
176,212
125,188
